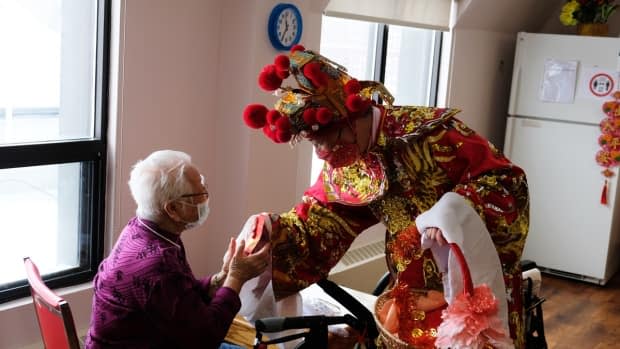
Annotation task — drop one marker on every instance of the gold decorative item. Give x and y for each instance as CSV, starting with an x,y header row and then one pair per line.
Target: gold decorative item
x,y
593,29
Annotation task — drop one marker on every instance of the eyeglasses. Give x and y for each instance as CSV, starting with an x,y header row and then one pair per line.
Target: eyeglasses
x,y
204,193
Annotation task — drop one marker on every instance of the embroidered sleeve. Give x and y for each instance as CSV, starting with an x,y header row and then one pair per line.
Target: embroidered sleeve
x,y
310,239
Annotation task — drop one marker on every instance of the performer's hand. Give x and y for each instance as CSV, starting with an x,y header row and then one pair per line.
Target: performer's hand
x,y
435,233
254,240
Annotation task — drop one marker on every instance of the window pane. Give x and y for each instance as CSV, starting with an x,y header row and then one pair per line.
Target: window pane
x,y
350,43
40,206
47,69
409,63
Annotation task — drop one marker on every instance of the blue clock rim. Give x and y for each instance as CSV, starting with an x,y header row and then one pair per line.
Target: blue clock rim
x,y
273,23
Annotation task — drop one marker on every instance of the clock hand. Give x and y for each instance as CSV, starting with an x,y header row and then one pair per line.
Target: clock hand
x,y
285,31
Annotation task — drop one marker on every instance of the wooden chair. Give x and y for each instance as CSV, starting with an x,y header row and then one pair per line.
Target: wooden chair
x,y
53,312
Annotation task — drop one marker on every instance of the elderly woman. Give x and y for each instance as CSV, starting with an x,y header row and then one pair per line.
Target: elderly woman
x,y
388,164
145,294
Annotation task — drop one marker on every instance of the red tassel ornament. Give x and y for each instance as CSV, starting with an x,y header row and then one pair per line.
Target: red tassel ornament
x,y
604,194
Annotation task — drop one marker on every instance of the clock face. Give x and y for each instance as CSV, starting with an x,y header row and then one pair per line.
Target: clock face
x,y
288,26
285,26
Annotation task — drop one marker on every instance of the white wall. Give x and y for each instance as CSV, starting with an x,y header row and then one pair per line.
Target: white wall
x,y
481,71
483,40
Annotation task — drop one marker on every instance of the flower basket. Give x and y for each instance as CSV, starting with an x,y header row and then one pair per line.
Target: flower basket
x,y
475,305
385,338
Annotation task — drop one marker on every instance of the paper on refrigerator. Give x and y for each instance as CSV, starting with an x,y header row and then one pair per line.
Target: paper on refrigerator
x,y
559,81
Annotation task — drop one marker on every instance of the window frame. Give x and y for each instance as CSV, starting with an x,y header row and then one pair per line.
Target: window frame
x,y
381,50
92,154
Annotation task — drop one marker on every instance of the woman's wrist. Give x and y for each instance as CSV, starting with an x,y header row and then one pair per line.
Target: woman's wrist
x,y
218,279
233,283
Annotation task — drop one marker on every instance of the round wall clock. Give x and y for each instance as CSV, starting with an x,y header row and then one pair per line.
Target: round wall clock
x,y
285,26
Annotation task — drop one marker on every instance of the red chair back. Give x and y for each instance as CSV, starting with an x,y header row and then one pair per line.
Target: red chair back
x,y
53,312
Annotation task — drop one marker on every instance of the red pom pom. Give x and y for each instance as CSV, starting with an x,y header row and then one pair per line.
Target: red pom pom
x,y
273,116
268,79
270,132
283,136
297,48
282,62
354,103
309,116
254,115
352,87
312,68
324,115
322,80
283,124
282,74
313,72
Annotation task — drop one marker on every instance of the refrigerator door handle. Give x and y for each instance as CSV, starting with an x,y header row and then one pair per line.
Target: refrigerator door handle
x,y
508,141
514,91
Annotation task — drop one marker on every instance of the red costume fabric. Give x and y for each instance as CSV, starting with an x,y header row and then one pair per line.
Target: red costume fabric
x,y
420,153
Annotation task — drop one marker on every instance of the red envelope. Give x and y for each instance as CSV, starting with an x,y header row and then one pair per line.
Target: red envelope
x,y
252,240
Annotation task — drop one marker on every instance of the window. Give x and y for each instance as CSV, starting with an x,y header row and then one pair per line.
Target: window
x,y
53,113
404,59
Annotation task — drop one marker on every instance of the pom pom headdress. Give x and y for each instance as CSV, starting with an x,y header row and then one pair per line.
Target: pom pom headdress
x,y
325,95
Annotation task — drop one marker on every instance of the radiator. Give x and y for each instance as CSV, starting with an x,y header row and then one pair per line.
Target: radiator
x,y
361,267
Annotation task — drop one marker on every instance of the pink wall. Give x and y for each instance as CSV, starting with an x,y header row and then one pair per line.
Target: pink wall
x,y
185,70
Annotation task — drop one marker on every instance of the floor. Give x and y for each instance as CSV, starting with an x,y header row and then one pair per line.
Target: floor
x,y
581,315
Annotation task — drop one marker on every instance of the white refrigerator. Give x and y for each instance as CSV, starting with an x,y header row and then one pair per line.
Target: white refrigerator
x,y
559,84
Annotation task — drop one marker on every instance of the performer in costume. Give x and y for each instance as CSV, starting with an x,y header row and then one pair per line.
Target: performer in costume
x,y
387,164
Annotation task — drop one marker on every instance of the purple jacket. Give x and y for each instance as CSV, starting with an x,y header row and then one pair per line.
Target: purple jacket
x,y
146,296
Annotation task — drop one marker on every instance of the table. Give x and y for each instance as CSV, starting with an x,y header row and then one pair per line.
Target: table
x,y
242,332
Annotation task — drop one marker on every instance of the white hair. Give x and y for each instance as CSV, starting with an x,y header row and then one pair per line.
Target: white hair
x,y
157,180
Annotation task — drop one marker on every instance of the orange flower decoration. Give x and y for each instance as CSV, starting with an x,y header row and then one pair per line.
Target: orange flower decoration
x,y
609,155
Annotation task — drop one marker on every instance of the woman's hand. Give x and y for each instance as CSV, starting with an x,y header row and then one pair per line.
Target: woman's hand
x,y
242,268
435,233
228,256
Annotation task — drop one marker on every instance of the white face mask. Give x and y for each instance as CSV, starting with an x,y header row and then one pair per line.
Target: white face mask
x,y
203,213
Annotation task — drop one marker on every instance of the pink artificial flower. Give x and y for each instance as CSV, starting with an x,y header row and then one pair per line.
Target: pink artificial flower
x,y
472,322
